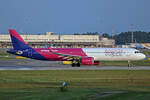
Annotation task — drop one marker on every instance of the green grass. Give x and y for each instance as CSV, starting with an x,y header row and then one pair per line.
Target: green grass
x,y
82,85
146,52
4,53
44,94
125,63
132,95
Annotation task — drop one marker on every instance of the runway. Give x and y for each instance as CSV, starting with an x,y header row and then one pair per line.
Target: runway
x,y
30,64
75,68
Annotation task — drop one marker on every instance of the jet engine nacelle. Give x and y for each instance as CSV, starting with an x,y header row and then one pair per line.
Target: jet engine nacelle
x,y
87,61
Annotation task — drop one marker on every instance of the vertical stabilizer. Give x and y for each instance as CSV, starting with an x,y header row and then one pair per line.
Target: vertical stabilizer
x,y
17,42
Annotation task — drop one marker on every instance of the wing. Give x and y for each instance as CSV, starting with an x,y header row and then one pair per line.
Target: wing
x,y
67,56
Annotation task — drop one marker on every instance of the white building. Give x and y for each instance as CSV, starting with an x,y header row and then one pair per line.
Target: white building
x,y
60,40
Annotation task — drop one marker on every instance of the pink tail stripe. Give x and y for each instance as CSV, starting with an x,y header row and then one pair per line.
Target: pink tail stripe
x,y
16,35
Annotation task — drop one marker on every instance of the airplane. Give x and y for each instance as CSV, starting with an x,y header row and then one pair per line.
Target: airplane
x,y
78,56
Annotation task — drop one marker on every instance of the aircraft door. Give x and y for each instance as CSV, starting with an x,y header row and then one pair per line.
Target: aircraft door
x,y
85,51
30,52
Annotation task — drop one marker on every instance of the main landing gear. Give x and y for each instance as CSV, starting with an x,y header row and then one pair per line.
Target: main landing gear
x,y
75,63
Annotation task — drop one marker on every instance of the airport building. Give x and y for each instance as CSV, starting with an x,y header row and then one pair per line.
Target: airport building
x,y
60,41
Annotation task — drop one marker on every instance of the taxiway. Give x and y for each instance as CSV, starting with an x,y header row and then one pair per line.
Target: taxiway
x,y
30,64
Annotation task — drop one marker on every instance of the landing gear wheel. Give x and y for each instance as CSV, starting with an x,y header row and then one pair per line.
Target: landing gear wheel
x,y
75,63
78,64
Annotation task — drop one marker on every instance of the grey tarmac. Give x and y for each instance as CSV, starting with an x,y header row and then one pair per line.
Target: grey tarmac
x,y
30,64
74,68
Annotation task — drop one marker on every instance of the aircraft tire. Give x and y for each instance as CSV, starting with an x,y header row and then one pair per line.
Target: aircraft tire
x,y
73,65
78,64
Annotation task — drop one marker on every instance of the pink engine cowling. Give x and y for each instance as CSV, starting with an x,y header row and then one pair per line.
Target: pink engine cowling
x,y
87,61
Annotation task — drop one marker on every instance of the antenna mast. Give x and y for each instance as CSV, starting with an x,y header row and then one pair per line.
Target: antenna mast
x,y
132,34
112,32
26,28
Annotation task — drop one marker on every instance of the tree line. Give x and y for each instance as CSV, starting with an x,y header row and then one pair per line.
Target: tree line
x,y
138,37
124,37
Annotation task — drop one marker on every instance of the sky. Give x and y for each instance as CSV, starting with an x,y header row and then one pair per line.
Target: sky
x,y
74,16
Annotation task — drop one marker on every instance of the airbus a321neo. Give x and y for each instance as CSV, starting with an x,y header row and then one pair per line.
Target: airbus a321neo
x,y
85,56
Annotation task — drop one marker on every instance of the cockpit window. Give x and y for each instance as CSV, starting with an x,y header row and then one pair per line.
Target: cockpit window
x,y
137,51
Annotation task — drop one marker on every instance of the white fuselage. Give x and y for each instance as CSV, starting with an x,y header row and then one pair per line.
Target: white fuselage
x,y
114,54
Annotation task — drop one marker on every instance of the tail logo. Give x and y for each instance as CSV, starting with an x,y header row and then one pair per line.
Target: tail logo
x,y
19,52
